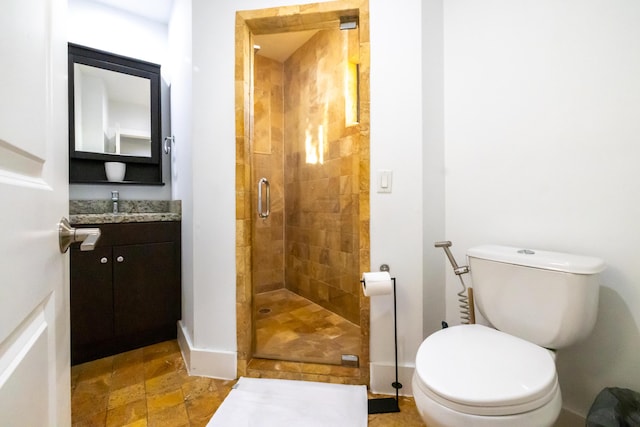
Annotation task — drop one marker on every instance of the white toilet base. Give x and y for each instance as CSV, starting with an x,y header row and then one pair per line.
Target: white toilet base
x,y
436,415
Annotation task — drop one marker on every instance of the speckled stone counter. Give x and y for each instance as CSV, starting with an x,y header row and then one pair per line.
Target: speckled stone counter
x,y
99,211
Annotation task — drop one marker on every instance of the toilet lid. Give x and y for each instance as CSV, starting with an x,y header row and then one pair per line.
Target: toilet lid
x,y
480,370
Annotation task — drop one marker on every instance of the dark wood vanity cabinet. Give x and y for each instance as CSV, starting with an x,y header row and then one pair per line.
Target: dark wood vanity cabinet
x,y
126,293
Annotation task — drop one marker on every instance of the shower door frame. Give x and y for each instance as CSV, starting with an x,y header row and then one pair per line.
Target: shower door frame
x,y
279,20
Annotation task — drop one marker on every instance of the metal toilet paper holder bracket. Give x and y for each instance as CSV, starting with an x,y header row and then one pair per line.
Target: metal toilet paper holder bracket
x,y
388,404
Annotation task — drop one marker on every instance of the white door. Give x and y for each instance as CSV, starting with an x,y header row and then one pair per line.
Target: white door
x,y
34,292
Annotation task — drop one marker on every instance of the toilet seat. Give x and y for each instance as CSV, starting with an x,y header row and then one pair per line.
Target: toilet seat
x,y
478,370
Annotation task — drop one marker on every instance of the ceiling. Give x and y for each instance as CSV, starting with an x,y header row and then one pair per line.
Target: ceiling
x,y
155,10
274,46
280,46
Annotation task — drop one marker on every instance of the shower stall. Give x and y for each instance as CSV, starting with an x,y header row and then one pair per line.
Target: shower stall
x,y
305,229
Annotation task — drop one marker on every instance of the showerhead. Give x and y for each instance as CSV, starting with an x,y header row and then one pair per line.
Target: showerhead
x,y
348,22
446,245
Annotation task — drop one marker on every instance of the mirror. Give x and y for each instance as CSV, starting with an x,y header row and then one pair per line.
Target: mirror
x,y
114,116
112,112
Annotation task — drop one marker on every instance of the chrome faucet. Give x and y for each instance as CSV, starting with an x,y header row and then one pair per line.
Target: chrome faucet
x,y
114,199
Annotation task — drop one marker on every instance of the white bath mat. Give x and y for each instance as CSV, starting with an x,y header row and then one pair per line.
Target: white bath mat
x,y
263,402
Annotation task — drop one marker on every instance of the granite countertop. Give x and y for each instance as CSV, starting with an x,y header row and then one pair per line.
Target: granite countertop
x,y
99,211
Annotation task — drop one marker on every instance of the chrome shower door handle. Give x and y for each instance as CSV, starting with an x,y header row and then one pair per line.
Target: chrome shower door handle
x,y
263,211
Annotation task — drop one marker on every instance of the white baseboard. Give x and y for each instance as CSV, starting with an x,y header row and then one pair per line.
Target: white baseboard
x,y
206,362
383,375
569,419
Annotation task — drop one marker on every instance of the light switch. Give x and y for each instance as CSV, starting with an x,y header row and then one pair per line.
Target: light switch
x,y
384,181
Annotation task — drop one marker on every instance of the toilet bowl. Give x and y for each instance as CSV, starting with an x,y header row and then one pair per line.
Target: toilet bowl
x,y
504,375
473,375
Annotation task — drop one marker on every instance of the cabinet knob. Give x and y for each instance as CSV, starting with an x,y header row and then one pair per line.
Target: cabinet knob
x,y
120,259
104,260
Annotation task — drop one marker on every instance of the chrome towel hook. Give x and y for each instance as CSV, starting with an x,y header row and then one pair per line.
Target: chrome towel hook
x,y
166,145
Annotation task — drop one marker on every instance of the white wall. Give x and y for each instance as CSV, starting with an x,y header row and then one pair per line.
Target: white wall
x,y
96,25
542,149
102,27
396,143
181,70
397,218
433,165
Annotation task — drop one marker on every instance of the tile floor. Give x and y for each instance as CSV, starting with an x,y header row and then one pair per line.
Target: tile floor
x,y
150,387
143,387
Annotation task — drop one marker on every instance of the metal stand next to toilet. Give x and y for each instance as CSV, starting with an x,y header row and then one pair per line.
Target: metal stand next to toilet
x,y
388,404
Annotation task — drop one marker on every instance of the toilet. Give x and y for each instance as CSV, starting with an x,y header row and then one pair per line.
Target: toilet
x,y
505,374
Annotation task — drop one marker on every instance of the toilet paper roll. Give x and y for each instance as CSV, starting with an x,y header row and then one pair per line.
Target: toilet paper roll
x,y
377,283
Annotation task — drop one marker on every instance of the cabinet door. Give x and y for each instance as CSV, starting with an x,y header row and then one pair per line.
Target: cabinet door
x,y
146,287
91,300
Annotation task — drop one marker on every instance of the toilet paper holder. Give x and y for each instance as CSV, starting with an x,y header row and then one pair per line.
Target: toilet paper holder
x,y
388,404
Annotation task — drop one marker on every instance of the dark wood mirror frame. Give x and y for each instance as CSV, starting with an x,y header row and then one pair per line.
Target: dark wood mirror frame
x,y
88,167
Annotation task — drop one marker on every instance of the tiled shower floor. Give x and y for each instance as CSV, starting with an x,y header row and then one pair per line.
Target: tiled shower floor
x,y
290,327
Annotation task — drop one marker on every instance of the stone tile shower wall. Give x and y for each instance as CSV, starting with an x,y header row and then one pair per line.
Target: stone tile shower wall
x,y
268,161
321,176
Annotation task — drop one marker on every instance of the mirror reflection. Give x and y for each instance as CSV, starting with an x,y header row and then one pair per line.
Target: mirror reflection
x,y
112,112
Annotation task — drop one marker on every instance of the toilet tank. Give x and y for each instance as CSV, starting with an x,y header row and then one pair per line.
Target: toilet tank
x,y
548,298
